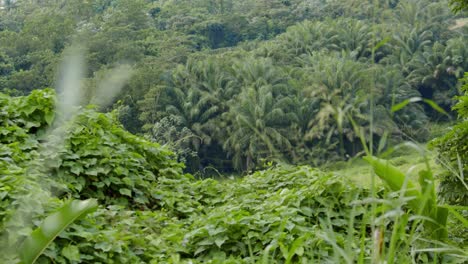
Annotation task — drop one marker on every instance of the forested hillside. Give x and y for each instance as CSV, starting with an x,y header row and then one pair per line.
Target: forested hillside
x,y
207,131
316,69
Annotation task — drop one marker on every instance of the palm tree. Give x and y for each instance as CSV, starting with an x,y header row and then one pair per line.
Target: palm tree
x,y
307,37
423,15
406,45
342,86
410,121
459,5
196,94
354,36
435,71
257,72
259,115
257,120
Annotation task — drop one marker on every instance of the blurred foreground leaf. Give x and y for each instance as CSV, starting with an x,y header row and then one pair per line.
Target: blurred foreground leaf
x,y
41,237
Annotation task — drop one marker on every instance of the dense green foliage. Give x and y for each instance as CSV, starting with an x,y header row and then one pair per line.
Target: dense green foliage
x,y
453,152
285,214
93,156
225,221
315,69
459,5
101,160
20,118
229,86
153,181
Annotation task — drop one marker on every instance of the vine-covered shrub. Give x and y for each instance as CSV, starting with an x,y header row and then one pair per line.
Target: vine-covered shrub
x,y
289,209
289,205
22,119
101,160
92,155
152,213
453,152
22,194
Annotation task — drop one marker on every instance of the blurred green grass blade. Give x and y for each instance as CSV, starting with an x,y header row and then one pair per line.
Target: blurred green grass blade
x,y
431,103
381,43
426,181
457,215
51,227
399,106
422,204
441,219
436,107
455,207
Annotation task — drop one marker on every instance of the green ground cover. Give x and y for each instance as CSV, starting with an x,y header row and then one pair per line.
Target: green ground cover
x,y
151,212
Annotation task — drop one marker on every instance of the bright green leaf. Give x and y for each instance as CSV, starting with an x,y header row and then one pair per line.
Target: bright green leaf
x,y
41,237
71,252
125,191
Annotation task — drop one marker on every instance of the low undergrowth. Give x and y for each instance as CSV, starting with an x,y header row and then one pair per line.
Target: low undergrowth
x,y
280,215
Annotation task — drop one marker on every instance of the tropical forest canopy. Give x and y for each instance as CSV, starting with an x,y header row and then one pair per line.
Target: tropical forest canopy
x,y
136,104
315,70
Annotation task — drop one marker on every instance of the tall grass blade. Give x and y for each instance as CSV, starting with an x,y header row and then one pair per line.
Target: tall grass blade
x,y
436,107
431,103
404,103
457,215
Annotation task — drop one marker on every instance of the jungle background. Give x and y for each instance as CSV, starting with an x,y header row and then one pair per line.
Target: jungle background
x,y
226,130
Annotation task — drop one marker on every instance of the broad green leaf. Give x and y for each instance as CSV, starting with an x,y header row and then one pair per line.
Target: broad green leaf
x,y
426,181
296,248
395,179
42,236
76,169
29,109
220,241
391,175
125,191
424,204
441,219
71,252
49,117
200,250
104,246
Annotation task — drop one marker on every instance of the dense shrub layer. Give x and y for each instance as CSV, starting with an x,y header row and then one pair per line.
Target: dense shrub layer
x,y
453,154
153,213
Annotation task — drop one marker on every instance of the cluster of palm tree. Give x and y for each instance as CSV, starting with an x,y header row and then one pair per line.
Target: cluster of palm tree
x,y
322,90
